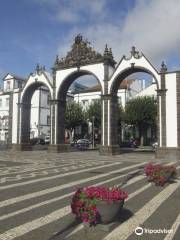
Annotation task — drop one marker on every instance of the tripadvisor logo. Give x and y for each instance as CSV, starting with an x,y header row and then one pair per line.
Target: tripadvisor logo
x,y
140,231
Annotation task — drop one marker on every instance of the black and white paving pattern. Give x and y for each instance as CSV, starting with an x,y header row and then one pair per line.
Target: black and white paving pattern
x,y
36,189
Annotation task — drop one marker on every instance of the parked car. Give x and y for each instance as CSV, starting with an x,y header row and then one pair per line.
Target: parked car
x,y
83,143
47,139
73,143
37,141
129,144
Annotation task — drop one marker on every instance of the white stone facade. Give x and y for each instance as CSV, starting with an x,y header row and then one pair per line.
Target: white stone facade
x,y
128,89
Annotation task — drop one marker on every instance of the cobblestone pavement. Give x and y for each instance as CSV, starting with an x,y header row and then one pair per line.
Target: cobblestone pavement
x,y
36,189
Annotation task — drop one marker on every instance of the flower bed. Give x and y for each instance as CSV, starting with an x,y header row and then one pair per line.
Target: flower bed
x,y
85,200
160,174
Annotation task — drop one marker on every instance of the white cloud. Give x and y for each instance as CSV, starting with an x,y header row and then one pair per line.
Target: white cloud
x,y
152,26
74,11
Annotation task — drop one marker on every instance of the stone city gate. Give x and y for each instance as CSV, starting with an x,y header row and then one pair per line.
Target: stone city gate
x,y
83,60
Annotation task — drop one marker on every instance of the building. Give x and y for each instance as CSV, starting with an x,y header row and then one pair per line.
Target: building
x,y
40,107
40,113
11,83
128,88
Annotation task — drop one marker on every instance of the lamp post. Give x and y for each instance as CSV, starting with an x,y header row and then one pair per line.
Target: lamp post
x,y
93,118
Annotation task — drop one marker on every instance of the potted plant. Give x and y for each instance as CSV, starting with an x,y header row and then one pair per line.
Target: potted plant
x,y
97,204
160,174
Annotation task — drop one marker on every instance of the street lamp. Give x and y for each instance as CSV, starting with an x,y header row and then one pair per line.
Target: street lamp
x,y
93,118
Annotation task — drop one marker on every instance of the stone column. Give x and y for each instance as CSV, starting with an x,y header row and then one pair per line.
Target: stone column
x,y
53,106
23,127
161,95
58,126
109,115
9,142
108,125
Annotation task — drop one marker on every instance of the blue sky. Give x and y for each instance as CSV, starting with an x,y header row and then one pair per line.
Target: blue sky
x,y
34,31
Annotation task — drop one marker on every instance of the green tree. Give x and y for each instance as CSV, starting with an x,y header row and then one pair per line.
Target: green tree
x,y
74,116
141,112
94,109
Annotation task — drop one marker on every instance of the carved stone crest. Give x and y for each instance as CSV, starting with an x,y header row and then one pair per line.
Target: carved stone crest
x,y
81,54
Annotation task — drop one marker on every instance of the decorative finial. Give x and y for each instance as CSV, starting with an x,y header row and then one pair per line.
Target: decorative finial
x,y
78,39
37,68
57,59
163,67
110,52
106,51
133,51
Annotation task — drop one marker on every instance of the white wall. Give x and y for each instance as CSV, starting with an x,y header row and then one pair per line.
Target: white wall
x,y
149,91
15,118
9,78
138,63
95,69
171,110
87,98
39,113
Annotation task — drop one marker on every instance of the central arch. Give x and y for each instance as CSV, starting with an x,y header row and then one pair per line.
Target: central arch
x,y
61,101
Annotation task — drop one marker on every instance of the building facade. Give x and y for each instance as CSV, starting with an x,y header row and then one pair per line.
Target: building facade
x,y
129,88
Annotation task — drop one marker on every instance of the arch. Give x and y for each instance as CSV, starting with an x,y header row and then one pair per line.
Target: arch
x,y
70,78
125,73
61,100
127,66
35,81
32,84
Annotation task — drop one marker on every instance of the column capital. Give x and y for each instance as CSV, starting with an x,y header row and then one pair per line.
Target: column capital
x,y
108,96
57,101
24,104
161,92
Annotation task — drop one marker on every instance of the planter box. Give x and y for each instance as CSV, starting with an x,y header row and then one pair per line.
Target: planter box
x,y
109,211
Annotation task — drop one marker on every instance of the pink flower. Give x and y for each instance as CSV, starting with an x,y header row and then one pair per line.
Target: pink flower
x,y
84,201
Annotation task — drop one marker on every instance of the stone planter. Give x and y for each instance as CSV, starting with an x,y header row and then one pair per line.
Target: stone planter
x,y
109,211
168,176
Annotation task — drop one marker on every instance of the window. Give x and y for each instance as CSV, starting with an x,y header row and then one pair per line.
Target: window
x,y
48,120
120,100
7,102
0,102
6,121
8,85
48,99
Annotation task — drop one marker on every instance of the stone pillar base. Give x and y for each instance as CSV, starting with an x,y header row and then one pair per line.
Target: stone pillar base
x,y
168,153
21,147
109,150
59,148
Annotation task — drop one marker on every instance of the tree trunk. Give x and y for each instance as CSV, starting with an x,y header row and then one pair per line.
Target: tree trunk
x,y
141,135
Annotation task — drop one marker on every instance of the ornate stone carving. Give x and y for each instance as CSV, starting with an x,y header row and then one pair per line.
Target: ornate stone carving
x,y
38,70
134,53
81,54
108,56
163,67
